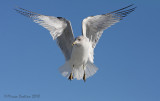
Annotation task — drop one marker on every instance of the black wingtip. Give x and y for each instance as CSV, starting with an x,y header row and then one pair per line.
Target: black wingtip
x,y
123,12
25,12
123,8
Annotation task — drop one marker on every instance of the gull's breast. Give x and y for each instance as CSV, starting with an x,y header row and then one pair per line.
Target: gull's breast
x,y
79,55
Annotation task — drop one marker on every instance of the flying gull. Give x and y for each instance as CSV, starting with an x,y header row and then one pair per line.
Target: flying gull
x,y
79,51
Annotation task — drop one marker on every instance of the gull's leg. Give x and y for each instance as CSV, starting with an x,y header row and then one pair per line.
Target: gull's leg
x,y
71,75
84,76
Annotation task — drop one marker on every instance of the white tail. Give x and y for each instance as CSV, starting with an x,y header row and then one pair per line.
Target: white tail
x,y
65,70
78,72
91,69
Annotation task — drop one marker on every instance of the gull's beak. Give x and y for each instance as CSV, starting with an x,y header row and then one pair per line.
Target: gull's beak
x,y
73,43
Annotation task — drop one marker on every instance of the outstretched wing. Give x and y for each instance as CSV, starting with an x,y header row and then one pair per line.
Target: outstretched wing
x,y
93,26
59,28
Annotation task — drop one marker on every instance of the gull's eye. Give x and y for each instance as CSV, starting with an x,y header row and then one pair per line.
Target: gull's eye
x,y
79,39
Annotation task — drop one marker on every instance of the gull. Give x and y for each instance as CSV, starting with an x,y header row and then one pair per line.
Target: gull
x,y
79,51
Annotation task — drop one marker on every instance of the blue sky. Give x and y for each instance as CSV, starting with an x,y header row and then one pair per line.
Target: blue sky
x,y
128,53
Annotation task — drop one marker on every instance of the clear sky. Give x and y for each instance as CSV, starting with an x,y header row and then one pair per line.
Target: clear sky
x,y
128,53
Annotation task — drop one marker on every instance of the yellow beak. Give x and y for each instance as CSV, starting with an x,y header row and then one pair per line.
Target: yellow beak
x,y
73,43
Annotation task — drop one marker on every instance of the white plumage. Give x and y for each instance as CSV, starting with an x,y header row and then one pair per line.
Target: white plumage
x,y
78,52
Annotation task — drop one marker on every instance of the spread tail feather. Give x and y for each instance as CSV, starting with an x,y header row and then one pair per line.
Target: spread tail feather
x,y
78,72
91,69
65,70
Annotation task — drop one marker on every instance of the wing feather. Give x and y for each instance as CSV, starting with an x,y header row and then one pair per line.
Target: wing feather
x,y
93,26
59,28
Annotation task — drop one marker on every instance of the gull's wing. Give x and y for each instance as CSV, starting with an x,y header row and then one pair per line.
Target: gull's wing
x,y
93,26
59,28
